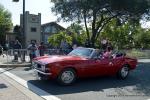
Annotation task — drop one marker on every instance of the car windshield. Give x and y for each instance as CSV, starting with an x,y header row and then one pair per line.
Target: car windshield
x,y
84,52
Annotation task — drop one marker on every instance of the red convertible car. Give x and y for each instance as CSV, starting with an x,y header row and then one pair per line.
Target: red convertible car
x,y
82,62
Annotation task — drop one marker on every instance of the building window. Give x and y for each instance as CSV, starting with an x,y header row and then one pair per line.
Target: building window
x,y
47,29
33,29
53,30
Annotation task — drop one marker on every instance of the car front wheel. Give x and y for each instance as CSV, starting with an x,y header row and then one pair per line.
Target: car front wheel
x,y
123,72
67,77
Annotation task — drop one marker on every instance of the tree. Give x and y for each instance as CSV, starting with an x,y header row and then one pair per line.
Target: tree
x,y
55,40
142,39
5,22
77,33
99,13
121,36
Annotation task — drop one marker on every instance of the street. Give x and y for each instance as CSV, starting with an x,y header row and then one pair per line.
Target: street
x,y
136,86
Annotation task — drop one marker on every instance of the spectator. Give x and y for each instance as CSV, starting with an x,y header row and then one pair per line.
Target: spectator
x,y
32,50
1,50
7,46
109,45
41,49
16,48
64,47
74,46
104,44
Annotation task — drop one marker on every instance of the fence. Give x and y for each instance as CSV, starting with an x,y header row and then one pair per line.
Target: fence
x,y
24,54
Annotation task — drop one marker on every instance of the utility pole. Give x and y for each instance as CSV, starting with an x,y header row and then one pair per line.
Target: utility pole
x,y
23,29
23,22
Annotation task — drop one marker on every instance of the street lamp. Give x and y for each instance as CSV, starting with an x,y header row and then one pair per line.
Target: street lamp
x,y
23,22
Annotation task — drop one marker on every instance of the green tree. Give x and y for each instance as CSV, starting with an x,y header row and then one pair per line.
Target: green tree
x,y
78,34
5,22
99,13
122,36
142,39
55,40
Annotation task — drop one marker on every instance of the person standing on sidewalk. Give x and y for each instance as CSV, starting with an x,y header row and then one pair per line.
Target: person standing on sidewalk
x,y
32,50
1,50
41,49
17,47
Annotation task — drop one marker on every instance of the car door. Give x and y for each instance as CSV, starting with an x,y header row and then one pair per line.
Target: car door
x,y
103,66
97,67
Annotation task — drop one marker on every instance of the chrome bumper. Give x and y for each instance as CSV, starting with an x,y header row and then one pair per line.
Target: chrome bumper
x,y
42,72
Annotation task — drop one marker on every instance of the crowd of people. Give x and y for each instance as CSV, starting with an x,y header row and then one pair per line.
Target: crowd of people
x,y
35,50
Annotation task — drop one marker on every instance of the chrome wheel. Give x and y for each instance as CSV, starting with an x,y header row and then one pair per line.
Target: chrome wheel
x,y
67,77
124,71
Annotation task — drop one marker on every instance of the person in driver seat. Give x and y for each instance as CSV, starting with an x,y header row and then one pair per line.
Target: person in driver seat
x,y
107,53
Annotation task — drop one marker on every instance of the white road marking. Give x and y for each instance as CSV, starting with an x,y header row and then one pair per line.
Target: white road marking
x,y
148,99
30,86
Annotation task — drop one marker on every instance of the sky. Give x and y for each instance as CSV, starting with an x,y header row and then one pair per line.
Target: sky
x,y
34,7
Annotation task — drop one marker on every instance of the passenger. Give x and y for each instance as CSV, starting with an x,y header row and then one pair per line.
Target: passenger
x,y
107,53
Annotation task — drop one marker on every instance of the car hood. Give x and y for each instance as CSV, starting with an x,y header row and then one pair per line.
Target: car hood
x,y
56,58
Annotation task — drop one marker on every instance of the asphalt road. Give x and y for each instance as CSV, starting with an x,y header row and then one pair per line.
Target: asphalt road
x,y
135,87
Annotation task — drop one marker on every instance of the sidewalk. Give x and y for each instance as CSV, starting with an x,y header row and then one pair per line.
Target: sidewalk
x,y
9,92
6,61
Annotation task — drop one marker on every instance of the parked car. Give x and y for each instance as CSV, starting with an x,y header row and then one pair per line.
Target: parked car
x,y
80,63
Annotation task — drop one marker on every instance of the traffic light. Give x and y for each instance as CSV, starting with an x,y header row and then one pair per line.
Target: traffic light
x,y
15,0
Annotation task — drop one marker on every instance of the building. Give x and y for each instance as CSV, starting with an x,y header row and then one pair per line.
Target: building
x,y
32,28
49,29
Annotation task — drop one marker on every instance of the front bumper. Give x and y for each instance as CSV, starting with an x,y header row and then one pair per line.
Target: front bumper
x,y
40,68
41,72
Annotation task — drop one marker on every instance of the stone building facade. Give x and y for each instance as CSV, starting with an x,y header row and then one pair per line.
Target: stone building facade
x,y
32,27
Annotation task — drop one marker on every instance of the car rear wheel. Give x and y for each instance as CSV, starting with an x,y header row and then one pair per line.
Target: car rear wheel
x,y
123,72
67,76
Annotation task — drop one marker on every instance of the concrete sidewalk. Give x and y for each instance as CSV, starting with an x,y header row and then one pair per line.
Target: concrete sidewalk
x,y
11,90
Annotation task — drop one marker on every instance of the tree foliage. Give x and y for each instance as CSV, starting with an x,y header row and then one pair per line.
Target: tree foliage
x,y
55,40
127,36
142,39
99,13
78,34
5,23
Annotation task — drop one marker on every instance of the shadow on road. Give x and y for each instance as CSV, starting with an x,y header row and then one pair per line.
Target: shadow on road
x,y
139,78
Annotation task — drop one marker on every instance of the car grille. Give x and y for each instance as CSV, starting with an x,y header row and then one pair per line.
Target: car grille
x,y
40,67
